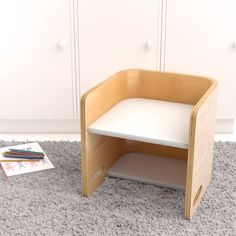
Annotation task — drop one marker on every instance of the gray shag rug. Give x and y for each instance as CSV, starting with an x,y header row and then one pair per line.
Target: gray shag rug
x,y
51,202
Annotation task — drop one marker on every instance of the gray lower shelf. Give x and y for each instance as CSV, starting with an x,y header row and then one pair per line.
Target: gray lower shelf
x,y
150,169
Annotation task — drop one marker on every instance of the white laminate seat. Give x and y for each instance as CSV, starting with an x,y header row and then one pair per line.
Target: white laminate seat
x,y
146,120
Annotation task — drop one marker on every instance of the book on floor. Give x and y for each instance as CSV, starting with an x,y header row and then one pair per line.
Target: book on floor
x,y
24,158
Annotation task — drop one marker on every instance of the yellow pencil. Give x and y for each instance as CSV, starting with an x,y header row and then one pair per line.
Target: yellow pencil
x,y
19,160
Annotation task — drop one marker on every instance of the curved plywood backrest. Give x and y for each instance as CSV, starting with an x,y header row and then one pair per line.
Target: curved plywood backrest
x,y
143,84
167,86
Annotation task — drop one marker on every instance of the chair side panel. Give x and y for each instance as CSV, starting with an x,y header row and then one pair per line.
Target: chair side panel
x,y
99,152
200,155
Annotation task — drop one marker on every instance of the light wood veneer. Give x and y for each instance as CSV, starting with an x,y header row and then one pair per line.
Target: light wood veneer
x,y
100,152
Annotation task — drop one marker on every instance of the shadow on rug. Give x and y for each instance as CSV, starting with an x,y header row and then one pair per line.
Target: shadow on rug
x,y
51,202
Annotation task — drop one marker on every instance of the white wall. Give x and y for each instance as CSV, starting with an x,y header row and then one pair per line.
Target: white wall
x,y
42,66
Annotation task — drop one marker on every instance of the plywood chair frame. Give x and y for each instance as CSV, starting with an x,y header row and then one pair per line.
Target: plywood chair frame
x,y
99,152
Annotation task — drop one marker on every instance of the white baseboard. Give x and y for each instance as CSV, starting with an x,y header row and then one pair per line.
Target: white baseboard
x,y
224,126
39,126
73,126
33,137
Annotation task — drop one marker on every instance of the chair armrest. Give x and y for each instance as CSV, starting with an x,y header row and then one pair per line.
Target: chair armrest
x,y
101,98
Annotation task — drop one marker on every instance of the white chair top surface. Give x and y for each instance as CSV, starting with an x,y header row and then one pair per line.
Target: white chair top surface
x,y
146,120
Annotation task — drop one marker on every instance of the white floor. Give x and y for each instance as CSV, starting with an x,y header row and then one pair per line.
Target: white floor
x,y
76,137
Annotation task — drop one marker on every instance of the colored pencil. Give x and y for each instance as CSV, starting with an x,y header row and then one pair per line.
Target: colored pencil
x,y
24,157
20,160
22,154
25,151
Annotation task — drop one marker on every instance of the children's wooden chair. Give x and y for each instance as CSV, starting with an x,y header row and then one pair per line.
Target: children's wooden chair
x,y
152,127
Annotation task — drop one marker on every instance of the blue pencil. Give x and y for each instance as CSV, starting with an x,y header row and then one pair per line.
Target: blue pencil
x,y
24,157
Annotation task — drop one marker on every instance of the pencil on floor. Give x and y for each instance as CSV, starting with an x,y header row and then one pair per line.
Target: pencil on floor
x,y
25,151
24,157
20,160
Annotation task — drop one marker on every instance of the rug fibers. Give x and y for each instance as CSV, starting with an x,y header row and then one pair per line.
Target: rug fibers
x,y
51,202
